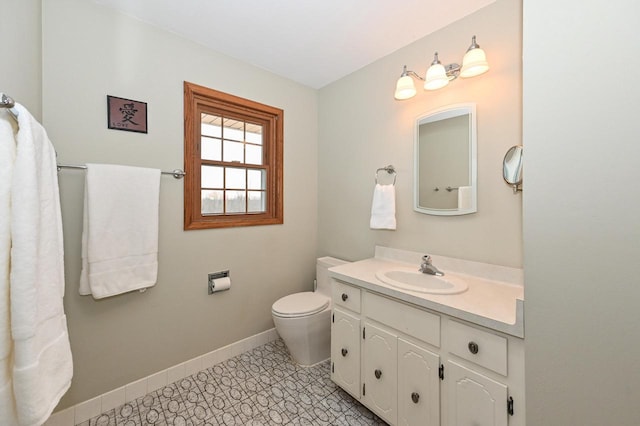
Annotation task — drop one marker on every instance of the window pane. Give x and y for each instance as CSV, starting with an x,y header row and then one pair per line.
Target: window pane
x,y
254,134
254,154
211,149
233,129
233,151
257,201
210,130
236,202
236,178
212,202
256,179
210,125
211,177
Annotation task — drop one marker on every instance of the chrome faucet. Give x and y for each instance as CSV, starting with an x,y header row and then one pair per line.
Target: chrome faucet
x,y
426,267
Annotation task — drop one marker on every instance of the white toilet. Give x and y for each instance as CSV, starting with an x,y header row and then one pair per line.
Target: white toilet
x,y
303,320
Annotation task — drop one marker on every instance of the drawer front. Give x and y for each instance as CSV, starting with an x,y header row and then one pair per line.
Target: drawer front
x,y
411,321
345,295
483,348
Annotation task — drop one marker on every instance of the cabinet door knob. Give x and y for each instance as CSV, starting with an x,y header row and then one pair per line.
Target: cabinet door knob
x,y
378,374
344,352
473,347
415,397
345,296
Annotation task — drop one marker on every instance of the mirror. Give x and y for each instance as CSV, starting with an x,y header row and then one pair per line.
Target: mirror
x,y
512,167
445,169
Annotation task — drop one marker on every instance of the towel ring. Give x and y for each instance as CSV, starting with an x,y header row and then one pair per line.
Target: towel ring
x,y
389,169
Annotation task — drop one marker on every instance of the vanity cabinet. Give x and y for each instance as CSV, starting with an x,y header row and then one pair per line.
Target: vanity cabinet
x,y
473,396
413,366
399,378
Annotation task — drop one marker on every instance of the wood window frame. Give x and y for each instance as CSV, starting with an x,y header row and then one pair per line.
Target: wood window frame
x,y
200,99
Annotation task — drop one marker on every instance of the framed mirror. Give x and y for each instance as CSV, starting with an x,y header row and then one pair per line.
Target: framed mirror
x,y
445,161
512,167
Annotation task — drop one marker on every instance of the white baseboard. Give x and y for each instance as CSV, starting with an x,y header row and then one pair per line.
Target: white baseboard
x,y
102,403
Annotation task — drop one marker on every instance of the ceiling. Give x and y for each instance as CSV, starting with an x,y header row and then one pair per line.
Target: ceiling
x,y
311,42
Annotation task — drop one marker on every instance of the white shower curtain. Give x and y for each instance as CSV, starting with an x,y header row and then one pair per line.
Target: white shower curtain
x,y
35,353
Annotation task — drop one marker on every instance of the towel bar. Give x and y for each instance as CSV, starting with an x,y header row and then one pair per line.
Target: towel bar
x,y
448,188
8,103
177,173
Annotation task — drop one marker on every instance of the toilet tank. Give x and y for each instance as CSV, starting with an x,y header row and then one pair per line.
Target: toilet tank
x,y
322,273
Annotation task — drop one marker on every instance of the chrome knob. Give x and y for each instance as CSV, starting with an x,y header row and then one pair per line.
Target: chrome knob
x,y
378,374
415,397
345,296
473,347
344,352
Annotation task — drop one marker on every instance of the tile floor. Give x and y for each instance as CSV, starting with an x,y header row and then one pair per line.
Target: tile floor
x,y
260,387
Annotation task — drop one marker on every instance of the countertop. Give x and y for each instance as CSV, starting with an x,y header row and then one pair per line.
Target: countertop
x,y
488,302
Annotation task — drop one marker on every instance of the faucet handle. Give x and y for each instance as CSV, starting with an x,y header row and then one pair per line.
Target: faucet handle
x,y
427,259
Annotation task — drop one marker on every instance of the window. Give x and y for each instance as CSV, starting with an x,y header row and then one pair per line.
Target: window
x,y
233,160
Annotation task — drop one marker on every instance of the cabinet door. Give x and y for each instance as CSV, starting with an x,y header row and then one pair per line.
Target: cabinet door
x,y
379,372
474,399
345,351
418,386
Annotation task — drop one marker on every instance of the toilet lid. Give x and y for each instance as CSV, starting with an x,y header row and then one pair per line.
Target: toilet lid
x,y
300,304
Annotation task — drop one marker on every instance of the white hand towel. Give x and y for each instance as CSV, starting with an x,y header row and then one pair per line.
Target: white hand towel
x,y
383,207
42,363
120,234
7,157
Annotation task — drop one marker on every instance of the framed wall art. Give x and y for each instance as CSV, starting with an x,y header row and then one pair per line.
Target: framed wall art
x,y
126,114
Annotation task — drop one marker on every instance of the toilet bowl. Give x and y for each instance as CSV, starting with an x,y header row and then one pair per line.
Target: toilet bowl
x,y
303,320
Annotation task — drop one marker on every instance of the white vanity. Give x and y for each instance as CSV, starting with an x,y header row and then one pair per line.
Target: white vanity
x,y
430,358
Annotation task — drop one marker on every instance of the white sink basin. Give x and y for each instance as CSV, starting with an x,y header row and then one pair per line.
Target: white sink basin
x,y
414,280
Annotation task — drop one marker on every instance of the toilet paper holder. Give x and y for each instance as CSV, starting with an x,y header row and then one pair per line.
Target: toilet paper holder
x,y
216,276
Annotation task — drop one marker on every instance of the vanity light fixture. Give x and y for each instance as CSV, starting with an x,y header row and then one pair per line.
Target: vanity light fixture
x,y
438,76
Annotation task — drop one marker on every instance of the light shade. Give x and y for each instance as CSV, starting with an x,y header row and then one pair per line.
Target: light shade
x,y
436,77
474,62
405,88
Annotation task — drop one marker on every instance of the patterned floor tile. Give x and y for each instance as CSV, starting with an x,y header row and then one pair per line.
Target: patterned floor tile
x,y
261,387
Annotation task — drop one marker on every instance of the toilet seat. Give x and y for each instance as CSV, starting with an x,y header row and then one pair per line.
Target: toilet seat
x,y
300,304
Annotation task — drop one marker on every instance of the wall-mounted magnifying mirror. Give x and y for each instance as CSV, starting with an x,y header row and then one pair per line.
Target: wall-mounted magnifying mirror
x,y
512,167
445,181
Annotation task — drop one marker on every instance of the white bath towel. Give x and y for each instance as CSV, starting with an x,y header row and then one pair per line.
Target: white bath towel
x,y
383,207
120,233
7,157
42,363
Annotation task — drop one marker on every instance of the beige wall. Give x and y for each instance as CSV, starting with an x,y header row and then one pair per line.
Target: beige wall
x,y
21,53
89,52
363,128
582,212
